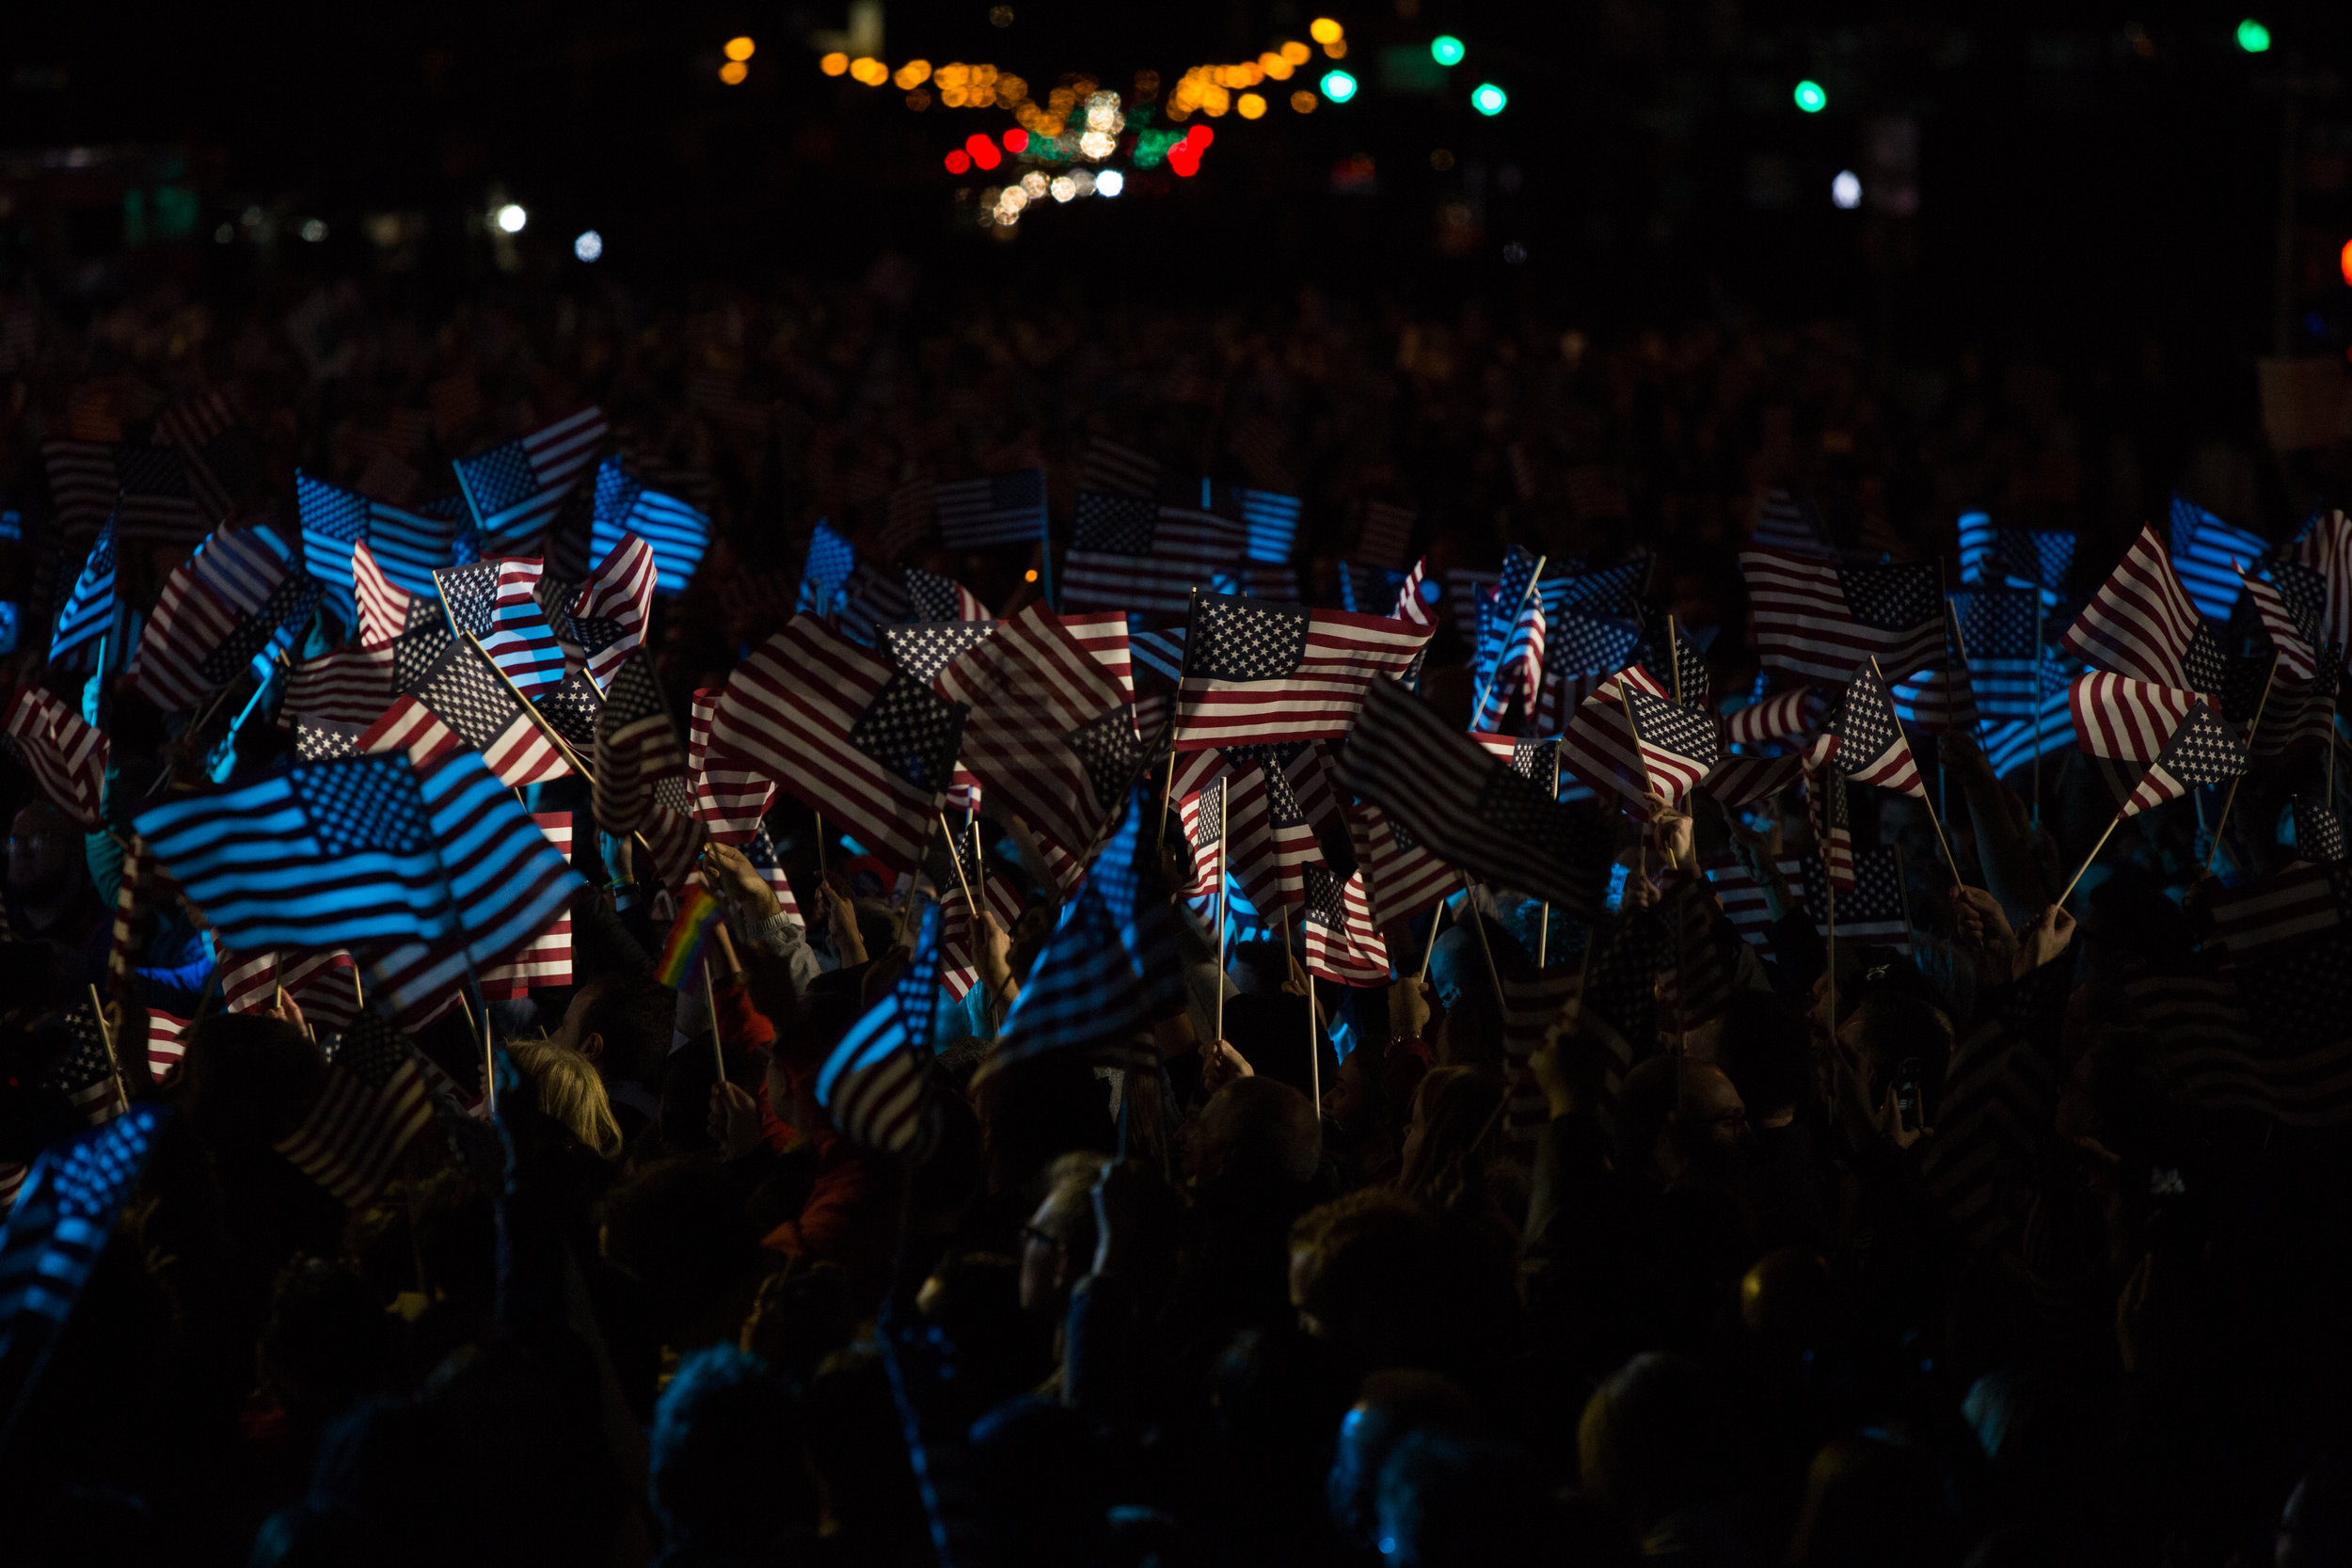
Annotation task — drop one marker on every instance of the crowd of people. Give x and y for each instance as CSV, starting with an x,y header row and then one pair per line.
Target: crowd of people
x,y
1710,1308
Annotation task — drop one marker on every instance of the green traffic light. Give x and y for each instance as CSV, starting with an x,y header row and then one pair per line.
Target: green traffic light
x,y
2253,37
1489,100
1811,97
1446,49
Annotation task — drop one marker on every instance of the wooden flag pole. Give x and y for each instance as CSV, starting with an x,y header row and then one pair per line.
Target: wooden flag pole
x,y
821,842
2251,730
710,1000
1933,820
1673,658
1520,609
1649,785
1168,790
2037,719
1485,946
1437,920
2092,856
106,1038
570,756
1829,899
1221,896
1543,927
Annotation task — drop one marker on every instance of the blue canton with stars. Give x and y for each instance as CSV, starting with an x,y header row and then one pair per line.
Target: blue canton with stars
x,y
1863,720
924,648
2203,750
1244,640
911,731
471,594
1668,726
1108,747
1891,598
366,804
1113,525
499,478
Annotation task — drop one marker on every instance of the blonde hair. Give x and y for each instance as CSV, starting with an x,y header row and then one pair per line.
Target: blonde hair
x,y
570,1091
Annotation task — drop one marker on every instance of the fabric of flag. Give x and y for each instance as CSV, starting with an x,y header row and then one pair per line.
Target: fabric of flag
x,y
376,854
1401,877
873,597
1501,612
167,1042
1110,469
1871,747
1783,716
1737,781
84,1068
609,618
65,756
62,1218
1581,654
874,1084
1996,629
129,937
222,455
959,966
1681,666
2141,623
2268,1037
869,746
677,530
228,607
730,799
826,569
1791,526
1598,748
1050,733
2175,736
145,489
1110,971
1532,1002
2318,831
1384,538
924,648
2256,917
1270,521
906,518
371,1106
573,710
698,915
2314,576
1697,982
547,959
351,685
2019,557
513,489
496,603
1468,592
1412,604
1255,672
1468,809
2263,704
1129,554
1202,813
318,743
636,744
1342,943
1612,590
2206,553
1368,590
1994,1117
92,610
386,609
1826,814
1679,745
459,699
1822,620
409,546
2013,744
1269,839
1941,698
1002,509
2297,656
322,984
83,486
940,598
1518,670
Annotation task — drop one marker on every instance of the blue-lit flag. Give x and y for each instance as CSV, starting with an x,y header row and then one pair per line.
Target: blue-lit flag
x,y
2015,743
679,531
2020,557
1109,971
608,622
421,868
409,546
1996,630
825,574
1791,526
1369,590
1002,509
64,1213
514,488
1611,591
2205,552
92,612
874,1082
1498,614
1271,519
235,604
371,1104
496,603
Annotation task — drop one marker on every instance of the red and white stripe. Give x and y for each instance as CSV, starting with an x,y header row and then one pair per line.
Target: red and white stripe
x,y
352,1136
1782,715
203,601
1737,782
1316,701
2120,719
1208,849
959,969
65,756
167,1042
2296,656
1598,744
520,754
2139,623
2281,908
1519,673
1352,954
620,590
731,799
1399,882
353,685
1802,622
1188,547
547,959
383,603
324,985
2326,548
1410,606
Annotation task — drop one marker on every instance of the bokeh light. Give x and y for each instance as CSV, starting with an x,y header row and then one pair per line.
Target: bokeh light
x,y
1446,49
1303,102
589,245
1488,99
1811,97
2344,261
1276,68
1338,85
511,218
869,70
958,162
733,73
1109,183
740,48
984,151
1323,29
1016,140
834,64
1033,185
912,75
1064,188
1296,52
2253,37
1846,190
1250,105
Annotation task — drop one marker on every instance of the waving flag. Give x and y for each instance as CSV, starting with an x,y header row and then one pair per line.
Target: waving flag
x,y
826,569
1870,910
222,455
1269,839
348,689
1871,747
1941,698
1826,812
1679,745
409,546
545,960
1111,469
1369,590
145,489
1782,715
1468,592
608,620
573,710
1996,631
1203,814
371,1107
1384,539
2141,623
65,756
513,489
84,1070
459,699
1612,590
92,610
1270,520
1401,877
939,598
2206,553
2020,558
730,800
1255,672
1342,942
2173,734
869,746
1597,746
496,603
1128,554
1502,611
1003,509
1518,670
2257,917
2314,576
386,609
924,648
324,985
1822,620
636,744
1050,730
230,607
1109,971
2318,831
874,1084
676,531
1737,782
2281,626
1468,809
1790,526
62,1219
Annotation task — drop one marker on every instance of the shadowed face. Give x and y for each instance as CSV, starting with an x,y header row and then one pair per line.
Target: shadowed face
x,y
43,848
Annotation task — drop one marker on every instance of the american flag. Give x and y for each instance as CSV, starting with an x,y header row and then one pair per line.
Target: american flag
x,y
1871,747
1499,612
677,532
1825,813
2318,831
1942,698
2175,735
317,743
230,607
1822,620
1996,630
572,709
2315,574
1786,524
324,985
2265,706
826,569
1698,983
1782,715
1368,590
2206,553
460,701
1518,670
2020,558
1871,911
1385,537
547,959
1111,469
609,619
2255,917
513,489
1342,942
1686,661
998,894
1277,584
866,745
1679,745
2273,1041
1401,877
636,744
939,598
350,686
2315,722
129,937
1471,810
1614,591
386,609
1050,732
1265,672
65,756
2296,656
1269,838
730,800
1203,814
1270,520
84,1069
924,648
1127,553
371,1107
61,1221
1109,971
871,598
408,546
145,488
1737,781
496,603
92,610
167,1042
222,455
1002,509
2141,623
905,518
1412,606
1596,746
2013,744
1161,654
375,854
1466,594
874,1084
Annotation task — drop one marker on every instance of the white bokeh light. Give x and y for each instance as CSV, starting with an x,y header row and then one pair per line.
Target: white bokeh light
x,y
1109,183
511,218
1846,190
589,245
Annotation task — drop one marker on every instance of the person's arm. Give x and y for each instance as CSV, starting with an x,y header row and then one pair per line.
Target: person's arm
x,y
2013,872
